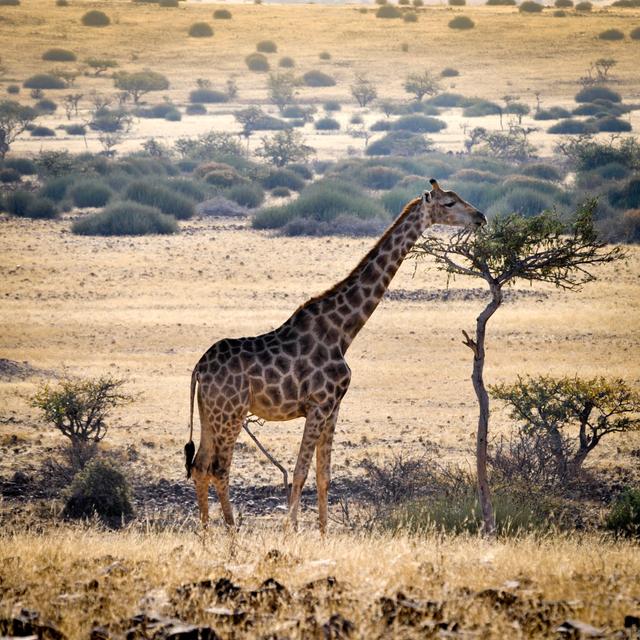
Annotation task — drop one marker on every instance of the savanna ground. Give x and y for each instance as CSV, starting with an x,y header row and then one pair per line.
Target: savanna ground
x,y
146,308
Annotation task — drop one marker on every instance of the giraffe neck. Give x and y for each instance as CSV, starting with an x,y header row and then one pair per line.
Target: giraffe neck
x,y
342,311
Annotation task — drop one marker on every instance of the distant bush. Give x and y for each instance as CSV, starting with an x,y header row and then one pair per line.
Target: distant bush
x,y
62,3
287,62
13,89
280,192
324,55
542,171
188,188
476,175
402,143
294,111
317,78
461,22
381,125
95,19
569,126
529,6
419,124
388,11
247,195
222,14
611,34
552,113
196,109
161,110
563,4
627,196
301,170
99,489
91,193
624,516
59,55
611,124
635,34
457,3
327,124
591,94
283,178
410,17
479,108
626,4
56,188
24,166
9,3
221,174
560,13
169,4
447,100
42,132
25,204
200,30
584,6
8,175
267,46
587,109
208,96
449,72
44,81
46,106
332,105
525,201
501,3
257,62
125,219
156,195
379,177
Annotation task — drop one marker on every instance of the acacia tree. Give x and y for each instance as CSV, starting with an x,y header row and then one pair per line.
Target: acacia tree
x,y
421,84
281,88
14,120
542,248
363,90
140,83
283,147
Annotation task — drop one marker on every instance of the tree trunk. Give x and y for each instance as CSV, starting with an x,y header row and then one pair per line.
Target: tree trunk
x,y
484,494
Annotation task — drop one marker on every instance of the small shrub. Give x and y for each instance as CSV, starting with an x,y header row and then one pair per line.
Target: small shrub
x,y
624,515
44,81
402,143
13,89
591,94
356,119
410,17
419,124
46,106
294,111
9,3
332,105
156,195
501,3
257,62
324,55
222,14
17,203
99,489
95,18
90,193
552,113
542,171
267,46
247,195
187,188
447,100
584,6
570,126
317,78
56,187
461,22
382,178
283,178
208,96
559,13
24,166
327,124
627,196
635,34
457,3
563,4
611,124
8,175
529,6
381,125
280,192
42,132
169,4
611,34
449,72
404,47
75,129
301,170
476,175
196,109
479,108
388,11
125,219
59,55
200,30
287,62
62,3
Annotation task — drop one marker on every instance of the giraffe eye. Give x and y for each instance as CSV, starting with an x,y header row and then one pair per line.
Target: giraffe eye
x,y
449,204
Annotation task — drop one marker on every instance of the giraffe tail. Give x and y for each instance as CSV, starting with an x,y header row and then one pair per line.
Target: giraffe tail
x,y
190,448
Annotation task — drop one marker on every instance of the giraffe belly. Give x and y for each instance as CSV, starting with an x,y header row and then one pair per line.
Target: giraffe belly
x,y
266,406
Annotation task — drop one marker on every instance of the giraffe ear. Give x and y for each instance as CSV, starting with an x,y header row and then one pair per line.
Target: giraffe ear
x,y
434,184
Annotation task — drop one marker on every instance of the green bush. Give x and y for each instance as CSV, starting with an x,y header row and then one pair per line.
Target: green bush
x,y
90,193
169,4
381,125
635,34
611,34
25,205
196,109
283,178
56,188
62,3
156,195
99,489
161,110
612,125
327,124
324,55
42,132
403,143
626,4
627,196
287,62
501,3
388,11
410,16
200,30
267,46
570,126
44,81
8,175
248,195
563,4
529,6
59,55
280,192
208,96
13,89
476,175
317,78
624,516
447,100
24,166
524,201
457,3
542,171
332,105
559,13
461,22
301,170
552,113
257,62
9,3
419,124
95,19
189,188
125,219
449,72
584,6
587,109
46,106
222,14
42,208
478,108
379,177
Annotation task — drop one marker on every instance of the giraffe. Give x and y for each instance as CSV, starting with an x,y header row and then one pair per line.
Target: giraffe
x,y
299,369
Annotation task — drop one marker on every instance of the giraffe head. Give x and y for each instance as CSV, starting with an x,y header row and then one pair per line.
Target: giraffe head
x,y
447,207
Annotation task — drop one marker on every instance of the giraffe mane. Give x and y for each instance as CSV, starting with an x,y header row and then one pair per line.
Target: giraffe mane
x,y
409,207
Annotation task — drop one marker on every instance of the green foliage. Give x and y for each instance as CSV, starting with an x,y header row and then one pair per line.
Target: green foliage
x,y
59,55
501,3
634,34
257,62
95,18
9,3
611,124
56,188
399,143
523,201
450,72
209,146
196,109
200,30
327,124
388,11
461,22
627,196
571,127
543,171
563,4
24,204
379,177
208,96
591,94
280,192
478,107
24,166
13,89
552,113
169,4
267,46
156,195
332,105
286,62
624,516
42,132
125,219
99,489
284,147
421,84
139,83
8,176
611,34
584,6
44,81
419,124
586,153
100,65
324,55
91,193
46,106
529,6
222,14
315,78
248,195
410,16
283,178
447,100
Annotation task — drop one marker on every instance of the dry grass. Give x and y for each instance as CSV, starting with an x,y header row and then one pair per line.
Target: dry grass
x,y
551,579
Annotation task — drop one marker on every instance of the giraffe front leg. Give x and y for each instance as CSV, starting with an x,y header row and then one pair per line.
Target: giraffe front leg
x,y
323,469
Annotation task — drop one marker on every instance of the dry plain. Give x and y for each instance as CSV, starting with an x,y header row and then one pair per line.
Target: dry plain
x,y
146,308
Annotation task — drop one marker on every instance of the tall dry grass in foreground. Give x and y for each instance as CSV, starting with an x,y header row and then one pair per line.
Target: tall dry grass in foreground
x,y
523,587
